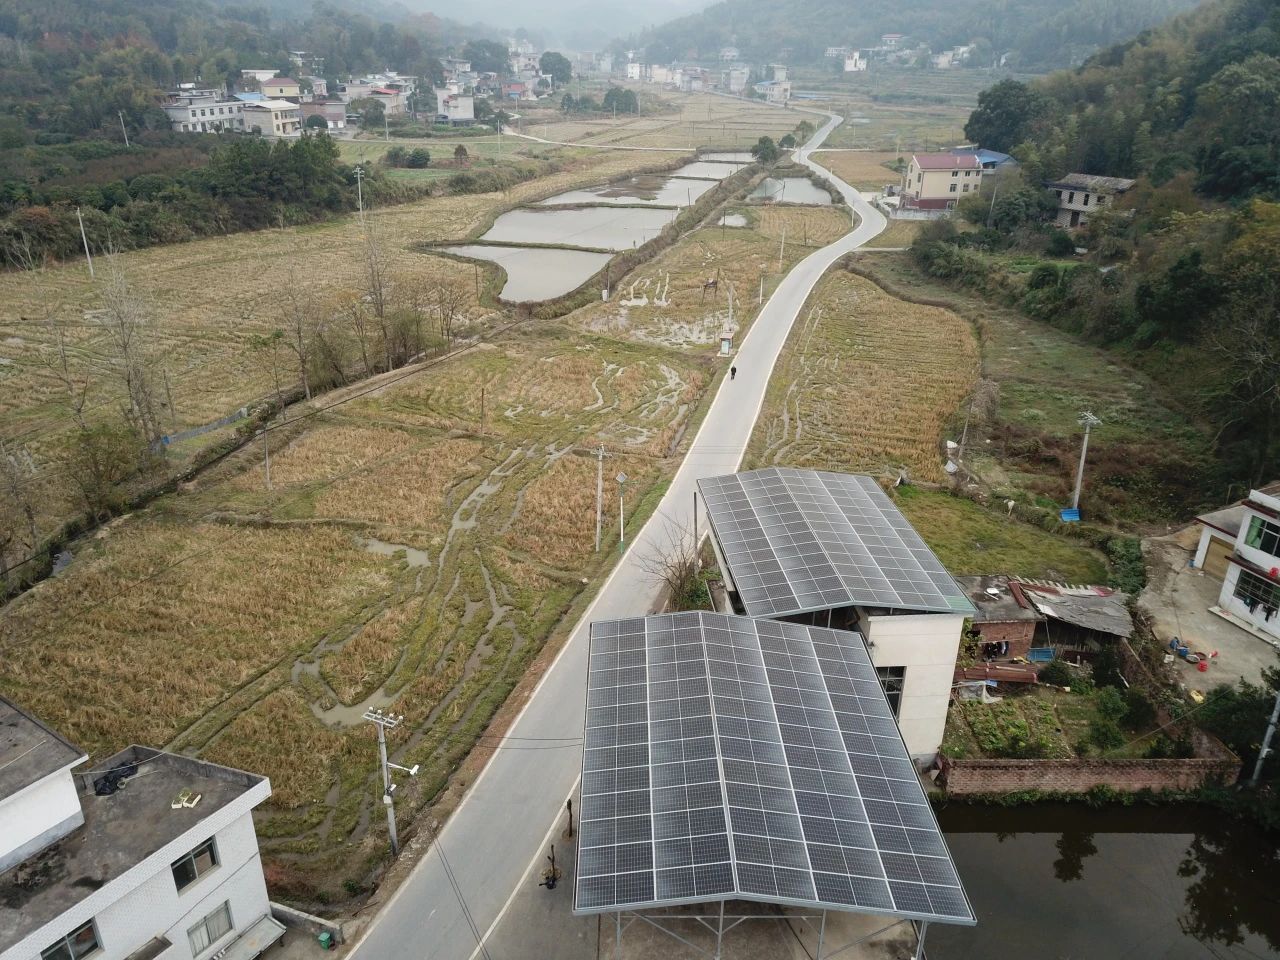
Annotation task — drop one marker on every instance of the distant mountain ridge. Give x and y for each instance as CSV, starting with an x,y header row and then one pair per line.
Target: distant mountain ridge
x,y
1037,35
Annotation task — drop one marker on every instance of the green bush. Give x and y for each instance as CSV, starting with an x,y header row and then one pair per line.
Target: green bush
x,y
1139,712
1110,704
1105,734
1106,668
1057,673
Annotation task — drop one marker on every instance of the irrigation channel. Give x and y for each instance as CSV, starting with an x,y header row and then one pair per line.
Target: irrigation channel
x,y
553,247
1067,881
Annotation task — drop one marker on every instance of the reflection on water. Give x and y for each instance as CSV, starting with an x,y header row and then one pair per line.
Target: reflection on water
x,y
601,228
708,170
656,190
791,190
537,273
1067,881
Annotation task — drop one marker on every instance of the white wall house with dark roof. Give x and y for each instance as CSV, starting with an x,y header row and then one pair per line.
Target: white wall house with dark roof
x,y
1081,195
1250,593
166,866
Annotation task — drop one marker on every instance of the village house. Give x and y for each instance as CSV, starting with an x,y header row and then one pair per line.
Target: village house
x,y
455,108
148,854
635,71
935,181
1080,194
334,112
735,79
775,91
319,86
855,61
1241,545
281,88
1005,621
257,76
203,110
832,550
278,118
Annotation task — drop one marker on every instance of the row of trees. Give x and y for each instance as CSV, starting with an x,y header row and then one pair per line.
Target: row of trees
x,y
247,183
616,100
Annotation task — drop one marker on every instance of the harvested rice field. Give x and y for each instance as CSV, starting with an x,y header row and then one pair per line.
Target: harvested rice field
x,y
415,551
865,170
669,302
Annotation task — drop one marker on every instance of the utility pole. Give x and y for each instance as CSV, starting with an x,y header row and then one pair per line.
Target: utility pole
x,y
760,295
266,456
622,524
360,190
386,130
782,247
120,114
385,722
599,493
1088,421
1266,742
991,213
85,240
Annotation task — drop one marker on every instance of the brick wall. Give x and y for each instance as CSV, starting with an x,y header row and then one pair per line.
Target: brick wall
x,y
961,777
1018,634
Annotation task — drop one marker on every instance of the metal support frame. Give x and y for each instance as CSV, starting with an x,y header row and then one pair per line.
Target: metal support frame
x,y
716,924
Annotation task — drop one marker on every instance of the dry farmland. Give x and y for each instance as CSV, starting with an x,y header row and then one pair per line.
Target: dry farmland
x,y
414,552
692,120
664,301
865,170
205,301
866,383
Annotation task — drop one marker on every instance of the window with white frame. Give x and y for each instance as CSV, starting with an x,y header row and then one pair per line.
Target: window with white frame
x,y
187,870
893,679
211,929
1263,535
953,188
80,942
1258,594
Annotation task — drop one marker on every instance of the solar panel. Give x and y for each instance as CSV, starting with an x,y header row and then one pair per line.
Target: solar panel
x,y
796,541
729,757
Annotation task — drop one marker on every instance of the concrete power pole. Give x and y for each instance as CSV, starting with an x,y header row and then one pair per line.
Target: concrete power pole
x,y
622,523
1266,742
599,493
1088,421
360,190
85,240
120,114
385,722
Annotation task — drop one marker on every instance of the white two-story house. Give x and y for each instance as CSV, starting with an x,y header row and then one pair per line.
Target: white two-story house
x,y
144,855
1242,545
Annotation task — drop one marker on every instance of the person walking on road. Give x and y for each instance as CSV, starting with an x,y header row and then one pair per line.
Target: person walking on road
x,y
733,373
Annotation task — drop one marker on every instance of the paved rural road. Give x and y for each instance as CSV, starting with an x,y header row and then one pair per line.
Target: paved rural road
x,y
501,826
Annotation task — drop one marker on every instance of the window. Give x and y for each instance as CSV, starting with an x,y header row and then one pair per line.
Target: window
x,y
196,864
1086,199
1071,197
966,188
211,929
78,943
1255,591
1263,535
955,173
968,173
953,188
893,679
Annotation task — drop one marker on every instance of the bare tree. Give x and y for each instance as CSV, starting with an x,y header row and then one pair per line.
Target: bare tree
x,y
298,334
450,299
676,568
127,326
362,329
18,531
266,348
377,289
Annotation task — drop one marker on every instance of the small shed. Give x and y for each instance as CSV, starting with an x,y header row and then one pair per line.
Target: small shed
x,y
1005,619
1078,619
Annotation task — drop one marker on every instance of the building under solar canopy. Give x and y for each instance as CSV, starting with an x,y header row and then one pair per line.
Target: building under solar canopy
x,y
732,758
832,549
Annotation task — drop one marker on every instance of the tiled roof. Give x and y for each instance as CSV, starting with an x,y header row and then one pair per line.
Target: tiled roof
x,y
946,161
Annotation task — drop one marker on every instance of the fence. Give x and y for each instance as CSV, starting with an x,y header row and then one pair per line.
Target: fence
x,y
232,417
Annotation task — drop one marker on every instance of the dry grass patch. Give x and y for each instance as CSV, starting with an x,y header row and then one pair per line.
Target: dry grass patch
x,y
899,233
366,660
805,226
152,644
866,383
406,492
278,736
325,452
861,169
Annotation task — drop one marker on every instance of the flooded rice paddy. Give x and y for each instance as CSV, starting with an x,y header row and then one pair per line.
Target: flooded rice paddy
x,y
537,273
658,191
597,228
792,190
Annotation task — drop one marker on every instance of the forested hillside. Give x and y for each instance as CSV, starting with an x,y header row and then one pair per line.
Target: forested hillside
x,y
1036,34
1184,270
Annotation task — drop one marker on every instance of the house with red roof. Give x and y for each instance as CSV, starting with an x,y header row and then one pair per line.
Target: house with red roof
x,y
935,181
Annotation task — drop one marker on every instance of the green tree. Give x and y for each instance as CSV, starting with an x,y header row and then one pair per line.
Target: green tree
x,y
1006,115
765,151
418,158
460,153
787,141
557,65
487,56
317,122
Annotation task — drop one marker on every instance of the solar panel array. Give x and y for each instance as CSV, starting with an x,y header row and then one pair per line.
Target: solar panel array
x,y
727,757
802,540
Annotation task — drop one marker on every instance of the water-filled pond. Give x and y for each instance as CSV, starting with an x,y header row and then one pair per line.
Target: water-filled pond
x,y
1064,881
660,191
791,190
601,228
737,157
537,273
708,170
